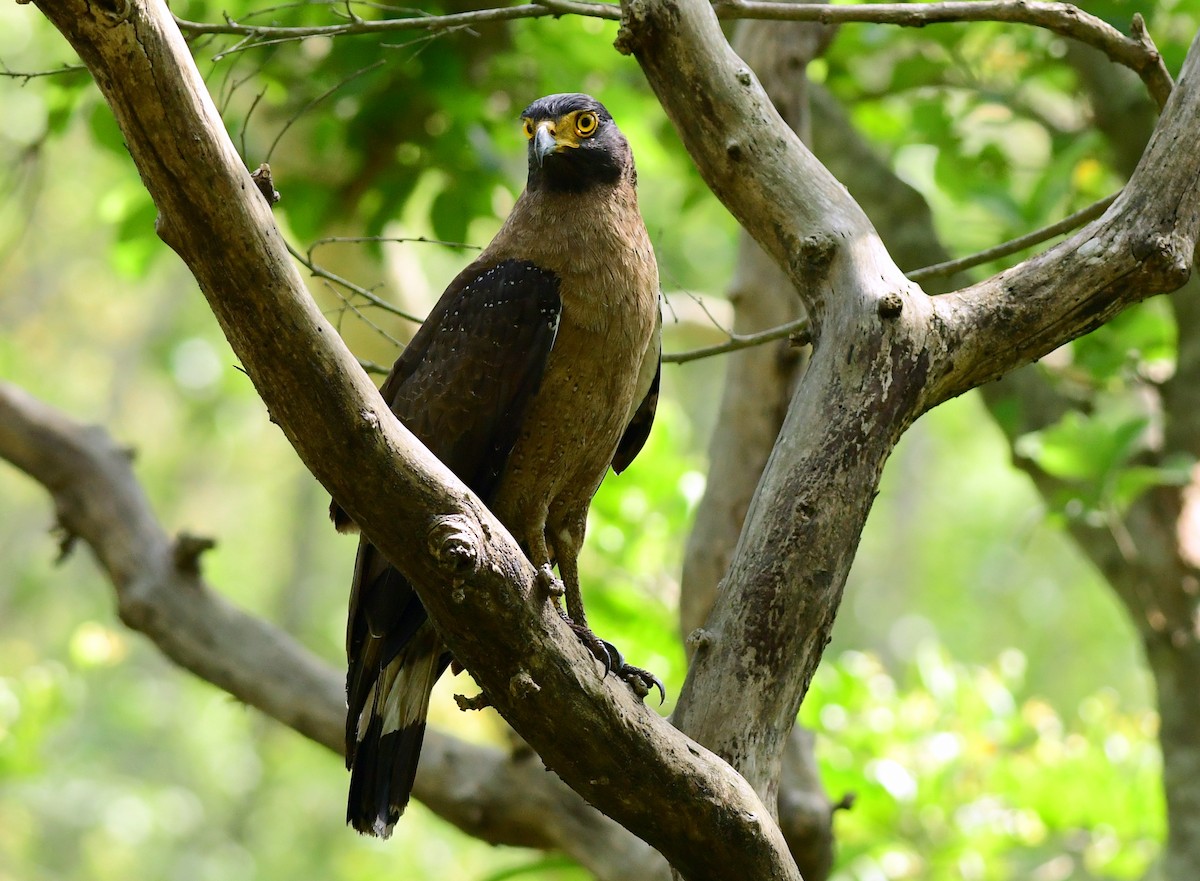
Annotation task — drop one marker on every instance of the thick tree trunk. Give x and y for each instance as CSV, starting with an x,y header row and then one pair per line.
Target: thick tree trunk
x,y
758,386
883,354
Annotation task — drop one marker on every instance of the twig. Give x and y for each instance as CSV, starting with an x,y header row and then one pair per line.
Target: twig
x,y
738,341
34,74
371,297
937,270
1137,52
246,121
330,240
361,316
422,22
1079,218
373,367
317,100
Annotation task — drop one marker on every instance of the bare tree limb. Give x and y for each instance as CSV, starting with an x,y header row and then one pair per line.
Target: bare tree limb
x,y
499,797
771,619
1138,52
472,578
883,353
758,386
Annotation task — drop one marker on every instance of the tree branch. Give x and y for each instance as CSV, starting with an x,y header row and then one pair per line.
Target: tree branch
x,y
758,386
499,797
771,619
471,576
883,353
358,26
1012,246
1143,245
796,329
1138,52
799,331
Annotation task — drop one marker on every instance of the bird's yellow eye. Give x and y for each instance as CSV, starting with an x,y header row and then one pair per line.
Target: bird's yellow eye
x,y
527,125
586,122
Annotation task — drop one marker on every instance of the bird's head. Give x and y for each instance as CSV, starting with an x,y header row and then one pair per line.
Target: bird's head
x,y
574,144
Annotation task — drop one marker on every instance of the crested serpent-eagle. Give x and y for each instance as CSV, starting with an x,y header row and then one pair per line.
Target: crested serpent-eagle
x,y
535,372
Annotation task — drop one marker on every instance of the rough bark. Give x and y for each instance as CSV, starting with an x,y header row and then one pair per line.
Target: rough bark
x,y
497,796
758,385
883,354
758,381
1030,402
470,574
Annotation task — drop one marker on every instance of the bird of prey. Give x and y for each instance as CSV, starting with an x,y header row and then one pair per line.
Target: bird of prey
x,y
536,371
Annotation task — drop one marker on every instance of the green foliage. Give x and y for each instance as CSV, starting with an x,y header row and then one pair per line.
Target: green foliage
x,y
1105,456
1097,457
977,778
31,703
1004,763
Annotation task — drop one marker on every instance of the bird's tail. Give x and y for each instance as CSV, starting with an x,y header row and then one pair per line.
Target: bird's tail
x,y
384,745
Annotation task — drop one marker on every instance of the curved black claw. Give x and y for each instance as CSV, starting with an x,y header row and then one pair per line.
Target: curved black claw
x,y
594,644
641,681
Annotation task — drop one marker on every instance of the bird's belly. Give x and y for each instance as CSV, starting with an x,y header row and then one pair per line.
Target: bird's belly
x,y
570,433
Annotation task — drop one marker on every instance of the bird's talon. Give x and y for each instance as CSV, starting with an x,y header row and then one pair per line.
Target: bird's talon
x,y
600,649
552,585
642,682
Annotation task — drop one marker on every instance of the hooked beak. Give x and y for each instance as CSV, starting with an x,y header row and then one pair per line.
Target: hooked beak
x,y
544,143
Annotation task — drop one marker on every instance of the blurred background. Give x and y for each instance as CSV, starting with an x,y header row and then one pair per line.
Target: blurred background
x,y
984,695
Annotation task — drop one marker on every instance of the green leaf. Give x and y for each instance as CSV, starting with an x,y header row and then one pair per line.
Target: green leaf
x,y
1082,448
1131,482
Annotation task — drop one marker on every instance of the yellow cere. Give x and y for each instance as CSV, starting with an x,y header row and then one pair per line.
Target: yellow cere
x,y
567,130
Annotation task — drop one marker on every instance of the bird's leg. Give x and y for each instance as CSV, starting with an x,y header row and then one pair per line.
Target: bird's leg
x,y
539,555
641,681
568,567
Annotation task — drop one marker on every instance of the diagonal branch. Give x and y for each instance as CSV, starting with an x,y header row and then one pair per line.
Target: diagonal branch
x,y
1012,246
358,26
496,796
471,576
